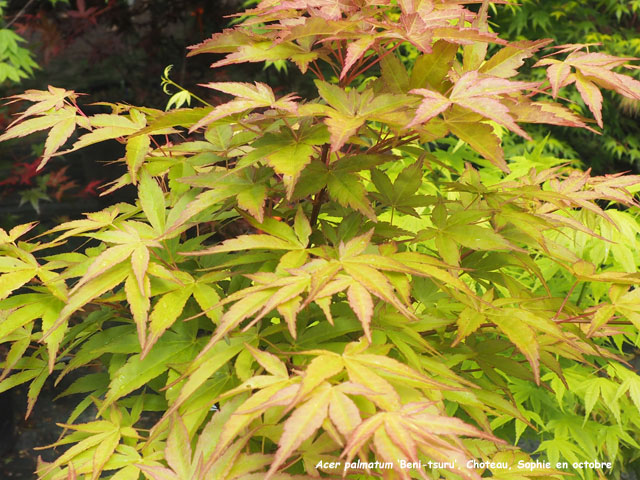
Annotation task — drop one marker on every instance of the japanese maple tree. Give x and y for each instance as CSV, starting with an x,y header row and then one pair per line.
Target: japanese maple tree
x,y
362,300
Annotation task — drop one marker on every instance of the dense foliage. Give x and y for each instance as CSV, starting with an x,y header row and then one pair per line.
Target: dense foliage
x,y
360,277
610,25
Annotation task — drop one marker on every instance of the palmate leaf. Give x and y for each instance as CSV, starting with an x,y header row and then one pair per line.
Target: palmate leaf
x,y
302,423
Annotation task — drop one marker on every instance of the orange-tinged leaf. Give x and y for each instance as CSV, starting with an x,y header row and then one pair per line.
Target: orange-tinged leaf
x,y
361,303
302,423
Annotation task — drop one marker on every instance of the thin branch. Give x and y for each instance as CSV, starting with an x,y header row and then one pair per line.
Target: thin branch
x,y
19,14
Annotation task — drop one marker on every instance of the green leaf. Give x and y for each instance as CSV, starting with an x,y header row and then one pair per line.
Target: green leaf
x,y
348,191
165,313
394,74
14,280
431,69
136,152
138,371
152,201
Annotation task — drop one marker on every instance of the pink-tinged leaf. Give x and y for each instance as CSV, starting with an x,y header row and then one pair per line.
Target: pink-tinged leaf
x,y
397,370
178,449
92,289
472,84
361,303
597,59
413,29
259,92
466,36
347,190
157,473
354,247
104,452
493,110
302,423
398,436
433,104
342,127
376,283
289,310
58,135
382,393
361,436
388,451
33,125
103,262
542,112
13,280
252,200
250,242
591,95
139,264
239,311
344,413
269,362
558,75
355,51
225,110
136,152
320,369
